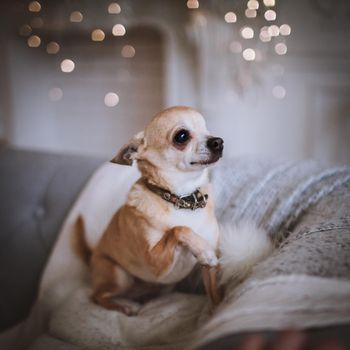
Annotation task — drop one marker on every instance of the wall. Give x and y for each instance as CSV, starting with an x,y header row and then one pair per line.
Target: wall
x,y
311,121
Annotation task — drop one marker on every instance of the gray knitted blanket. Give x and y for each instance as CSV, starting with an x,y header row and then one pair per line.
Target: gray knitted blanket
x,y
304,207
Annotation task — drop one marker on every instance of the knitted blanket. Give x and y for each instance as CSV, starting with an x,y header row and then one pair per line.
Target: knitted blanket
x,y
304,207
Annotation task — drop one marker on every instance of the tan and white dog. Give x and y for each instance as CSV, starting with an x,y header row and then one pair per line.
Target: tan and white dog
x,y
167,224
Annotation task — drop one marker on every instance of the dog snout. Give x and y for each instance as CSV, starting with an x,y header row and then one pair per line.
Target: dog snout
x,y
215,144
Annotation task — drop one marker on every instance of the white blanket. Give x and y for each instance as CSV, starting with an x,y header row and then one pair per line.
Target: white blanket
x,y
280,293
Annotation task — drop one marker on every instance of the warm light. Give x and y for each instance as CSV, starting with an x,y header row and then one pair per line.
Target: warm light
x,y
128,51
264,34
192,4
253,4
270,15
230,17
269,3
36,22
97,35
247,33
279,92
274,30
114,8
67,66
250,13
52,48
34,6
111,99
118,30
55,94
285,29
25,30
249,54
281,49
76,17
236,47
34,41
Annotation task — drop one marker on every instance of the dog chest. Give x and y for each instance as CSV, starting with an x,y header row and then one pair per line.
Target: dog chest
x,y
198,220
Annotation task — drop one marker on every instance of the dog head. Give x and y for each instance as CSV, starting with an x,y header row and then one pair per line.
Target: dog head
x,y
176,139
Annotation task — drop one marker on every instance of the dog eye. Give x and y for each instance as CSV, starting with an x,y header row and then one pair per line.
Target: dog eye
x,y
181,136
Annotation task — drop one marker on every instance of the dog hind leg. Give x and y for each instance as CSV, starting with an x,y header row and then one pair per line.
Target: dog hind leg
x,y
111,284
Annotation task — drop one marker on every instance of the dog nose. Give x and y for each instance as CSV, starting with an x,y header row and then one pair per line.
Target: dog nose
x,y
215,144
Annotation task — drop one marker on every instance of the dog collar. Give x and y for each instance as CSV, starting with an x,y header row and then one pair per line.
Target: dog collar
x,y
192,201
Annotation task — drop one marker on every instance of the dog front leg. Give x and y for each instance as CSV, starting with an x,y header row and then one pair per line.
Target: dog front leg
x,y
162,255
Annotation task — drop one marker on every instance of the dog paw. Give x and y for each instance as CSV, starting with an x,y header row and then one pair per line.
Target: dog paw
x,y
128,307
208,258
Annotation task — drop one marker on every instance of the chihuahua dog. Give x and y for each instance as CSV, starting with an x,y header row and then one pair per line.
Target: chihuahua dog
x,y
168,223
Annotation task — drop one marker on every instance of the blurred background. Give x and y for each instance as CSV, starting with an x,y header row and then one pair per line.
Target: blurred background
x,y
272,77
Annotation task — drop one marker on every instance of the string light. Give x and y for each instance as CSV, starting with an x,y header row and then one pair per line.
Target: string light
x,y
97,35
273,30
55,94
67,66
230,17
249,54
250,13
281,48
285,29
128,51
279,92
76,17
34,6
269,3
264,34
118,30
52,48
192,4
253,4
247,33
114,8
270,15
111,99
34,41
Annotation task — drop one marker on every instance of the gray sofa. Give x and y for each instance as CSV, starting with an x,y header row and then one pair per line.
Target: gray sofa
x,y
36,190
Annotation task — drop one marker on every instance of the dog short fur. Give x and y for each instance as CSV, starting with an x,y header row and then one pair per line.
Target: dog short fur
x,y
150,244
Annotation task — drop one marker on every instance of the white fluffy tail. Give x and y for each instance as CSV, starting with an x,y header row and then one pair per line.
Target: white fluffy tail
x,y
242,247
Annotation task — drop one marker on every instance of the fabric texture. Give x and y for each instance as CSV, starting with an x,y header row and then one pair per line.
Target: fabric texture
x,y
303,283
36,190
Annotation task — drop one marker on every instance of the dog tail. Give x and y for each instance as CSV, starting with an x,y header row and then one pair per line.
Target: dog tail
x,y
242,247
79,243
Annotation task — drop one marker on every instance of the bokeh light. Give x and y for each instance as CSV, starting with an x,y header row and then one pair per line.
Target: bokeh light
x,y
118,30
34,6
270,15
34,41
55,94
128,51
279,92
192,4
247,33
76,17
249,54
230,17
52,48
111,99
281,48
97,35
114,8
67,66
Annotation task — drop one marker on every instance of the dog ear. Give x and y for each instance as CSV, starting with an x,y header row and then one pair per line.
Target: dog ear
x,y
128,152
